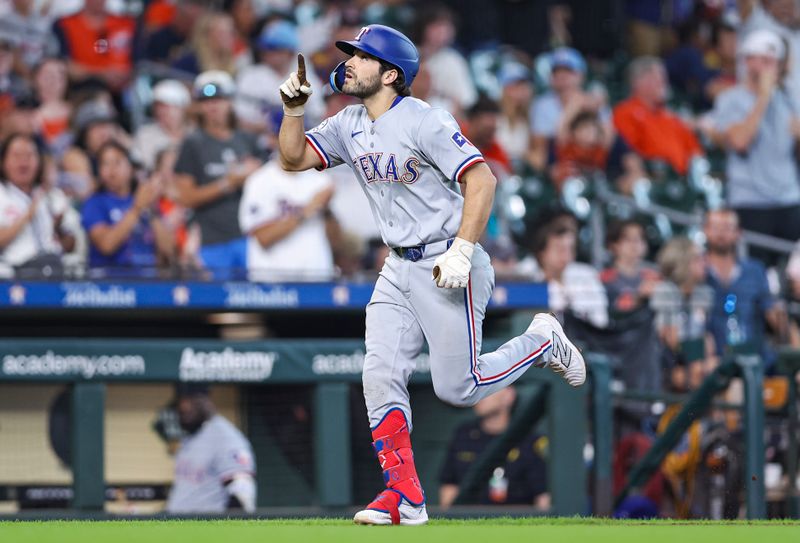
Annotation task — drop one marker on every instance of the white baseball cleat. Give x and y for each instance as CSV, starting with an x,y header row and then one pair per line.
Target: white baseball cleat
x,y
410,515
565,359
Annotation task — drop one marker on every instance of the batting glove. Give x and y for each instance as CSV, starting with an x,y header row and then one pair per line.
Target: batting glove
x,y
451,268
296,90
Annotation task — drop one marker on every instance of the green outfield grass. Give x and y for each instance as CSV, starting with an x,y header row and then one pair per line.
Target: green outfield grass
x,y
503,530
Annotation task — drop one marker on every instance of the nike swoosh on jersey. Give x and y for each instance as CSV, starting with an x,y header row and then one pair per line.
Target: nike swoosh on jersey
x,y
354,134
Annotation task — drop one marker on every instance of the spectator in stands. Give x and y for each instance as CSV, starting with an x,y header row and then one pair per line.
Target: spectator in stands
x,y
647,126
572,286
682,303
28,26
285,216
722,57
742,299
32,228
781,18
122,219
98,44
513,128
481,130
629,282
54,111
171,101
582,149
521,477
213,164
168,44
213,47
565,99
13,88
176,217
758,123
94,124
258,107
245,19
452,86
214,466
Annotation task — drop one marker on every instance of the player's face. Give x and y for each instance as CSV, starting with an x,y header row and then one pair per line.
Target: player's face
x,y
362,77
190,415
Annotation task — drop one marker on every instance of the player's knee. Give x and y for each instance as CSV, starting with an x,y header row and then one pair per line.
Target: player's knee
x,y
455,397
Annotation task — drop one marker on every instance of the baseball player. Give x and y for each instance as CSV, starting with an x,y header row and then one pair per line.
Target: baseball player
x,y
214,466
431,194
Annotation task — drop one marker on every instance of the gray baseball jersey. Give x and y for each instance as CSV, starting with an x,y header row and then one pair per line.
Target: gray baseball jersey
x,y
205,462
409,162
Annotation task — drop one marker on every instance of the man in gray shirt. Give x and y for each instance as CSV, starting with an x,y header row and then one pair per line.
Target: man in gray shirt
x,y
757,122
214,467
212,165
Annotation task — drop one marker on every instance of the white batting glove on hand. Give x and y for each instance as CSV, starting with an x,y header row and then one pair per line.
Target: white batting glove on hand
x,y
451,268
296,90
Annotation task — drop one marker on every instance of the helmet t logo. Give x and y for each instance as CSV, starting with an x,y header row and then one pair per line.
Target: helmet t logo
x,y
364,30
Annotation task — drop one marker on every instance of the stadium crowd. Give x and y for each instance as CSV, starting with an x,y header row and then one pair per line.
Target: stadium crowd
x,y
138,140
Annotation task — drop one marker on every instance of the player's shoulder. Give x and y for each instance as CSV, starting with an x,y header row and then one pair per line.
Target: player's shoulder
x,y
224,430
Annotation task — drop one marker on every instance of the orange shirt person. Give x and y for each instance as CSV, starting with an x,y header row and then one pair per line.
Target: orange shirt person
x,y
647,126
97,44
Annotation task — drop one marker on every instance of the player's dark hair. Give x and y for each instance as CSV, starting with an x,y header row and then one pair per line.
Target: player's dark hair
x,y
5,147
399,84
584,117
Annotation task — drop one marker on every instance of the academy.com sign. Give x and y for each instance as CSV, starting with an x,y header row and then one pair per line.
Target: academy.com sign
x,y
50,364
226,365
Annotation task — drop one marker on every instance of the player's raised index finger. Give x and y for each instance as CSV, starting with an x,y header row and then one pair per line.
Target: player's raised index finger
x,y
301,69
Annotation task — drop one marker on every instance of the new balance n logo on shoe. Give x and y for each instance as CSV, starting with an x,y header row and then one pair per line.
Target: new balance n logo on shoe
x,y
560,351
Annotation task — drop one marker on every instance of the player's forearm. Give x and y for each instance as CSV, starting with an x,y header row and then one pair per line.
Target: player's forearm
x,y
291,142
479,185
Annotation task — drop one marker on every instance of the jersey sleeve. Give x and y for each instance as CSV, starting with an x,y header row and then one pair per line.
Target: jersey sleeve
x,y
441,141
326,140
234,457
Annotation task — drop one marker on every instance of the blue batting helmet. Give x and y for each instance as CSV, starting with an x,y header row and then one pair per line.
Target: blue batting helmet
x,y
384,43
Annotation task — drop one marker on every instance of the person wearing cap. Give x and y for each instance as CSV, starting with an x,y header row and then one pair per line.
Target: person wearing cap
x,y
645,123
780,17
758,123
513,130
214,466
565,99
213,164
256,106
171,100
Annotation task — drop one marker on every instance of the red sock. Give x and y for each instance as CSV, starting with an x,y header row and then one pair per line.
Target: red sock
x,y
392,443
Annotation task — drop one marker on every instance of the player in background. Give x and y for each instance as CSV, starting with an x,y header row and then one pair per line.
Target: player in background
x,y
431,194
214,466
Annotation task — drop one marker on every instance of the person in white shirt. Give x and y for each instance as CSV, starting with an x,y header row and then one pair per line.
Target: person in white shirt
x,y
30,217
452,87
284,216
571,285
258,107
171,101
